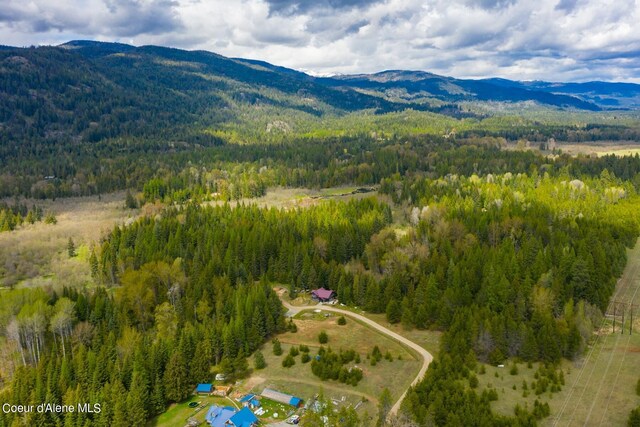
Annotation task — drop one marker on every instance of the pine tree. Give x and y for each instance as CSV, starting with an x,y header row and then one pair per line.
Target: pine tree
x,y
130,201
258,360
158,402
176,383
71,248
137,400
384,406
277,347
93,262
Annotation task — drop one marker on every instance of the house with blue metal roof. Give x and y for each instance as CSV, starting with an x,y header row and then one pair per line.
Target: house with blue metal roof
x,y
204,388
243,418
218,417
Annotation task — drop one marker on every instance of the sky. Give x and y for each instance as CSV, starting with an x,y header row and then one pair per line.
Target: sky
x,y
553,40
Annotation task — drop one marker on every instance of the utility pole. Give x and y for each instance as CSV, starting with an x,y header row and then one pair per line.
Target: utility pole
x,y
614,317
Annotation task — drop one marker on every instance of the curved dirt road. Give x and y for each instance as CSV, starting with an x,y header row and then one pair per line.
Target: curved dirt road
x,y
426,356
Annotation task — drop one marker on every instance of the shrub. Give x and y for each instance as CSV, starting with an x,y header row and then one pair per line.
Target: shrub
x,y
305,358
473,381
288,361
293,351
342,321
323,338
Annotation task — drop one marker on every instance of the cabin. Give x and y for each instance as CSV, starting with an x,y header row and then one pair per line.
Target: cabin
x,y
323,295
279,397
204,389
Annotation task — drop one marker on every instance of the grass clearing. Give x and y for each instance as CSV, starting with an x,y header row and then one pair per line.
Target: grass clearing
x,y
290,198
601,148
179,413
298,379
36,255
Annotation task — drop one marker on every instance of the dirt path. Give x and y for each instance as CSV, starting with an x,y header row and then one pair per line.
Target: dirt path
x,y
426,356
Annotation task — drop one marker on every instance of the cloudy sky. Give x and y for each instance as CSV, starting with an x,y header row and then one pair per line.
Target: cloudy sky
x,y
558,40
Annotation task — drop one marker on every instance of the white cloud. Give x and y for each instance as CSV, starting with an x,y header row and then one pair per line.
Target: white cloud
x,y
518,39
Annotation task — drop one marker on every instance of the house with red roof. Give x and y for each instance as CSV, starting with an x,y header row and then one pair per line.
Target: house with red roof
x,y
323,295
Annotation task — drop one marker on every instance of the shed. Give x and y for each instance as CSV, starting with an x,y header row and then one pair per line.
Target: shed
x,y
277,396
204,388
246,398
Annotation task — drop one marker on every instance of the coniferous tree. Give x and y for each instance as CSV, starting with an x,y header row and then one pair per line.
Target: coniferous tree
x,y
259,362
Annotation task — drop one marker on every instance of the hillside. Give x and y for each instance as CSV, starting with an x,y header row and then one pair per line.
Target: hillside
x,y
414,86
85,111
90,91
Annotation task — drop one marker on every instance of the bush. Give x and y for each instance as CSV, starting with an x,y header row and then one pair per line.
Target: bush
x,y
304,348
514,369
323,338
293,351
342,321
288,361
305,358
291,326
50,219
473,381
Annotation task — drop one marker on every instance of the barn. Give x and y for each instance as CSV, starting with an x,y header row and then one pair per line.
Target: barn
x,y
277,396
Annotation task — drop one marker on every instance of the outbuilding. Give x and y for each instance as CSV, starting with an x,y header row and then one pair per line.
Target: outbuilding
x,y
204,388
279,397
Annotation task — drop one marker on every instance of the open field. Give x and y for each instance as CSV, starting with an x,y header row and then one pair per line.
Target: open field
x,y
601,148
288,198
429,340
36,255
395,375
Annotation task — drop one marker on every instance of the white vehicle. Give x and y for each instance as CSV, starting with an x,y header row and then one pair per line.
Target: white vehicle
x,y
293,419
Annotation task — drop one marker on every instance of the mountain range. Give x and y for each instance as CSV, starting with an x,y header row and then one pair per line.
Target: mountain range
x,y
90,91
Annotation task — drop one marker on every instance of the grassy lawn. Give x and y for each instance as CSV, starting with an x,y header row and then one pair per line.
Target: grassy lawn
x,y
510,387
178,413
298,379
